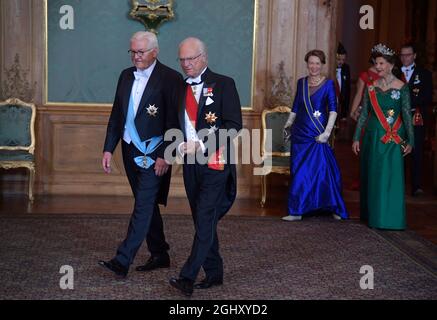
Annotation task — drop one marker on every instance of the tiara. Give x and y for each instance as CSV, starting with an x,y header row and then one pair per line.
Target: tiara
x,y
383,49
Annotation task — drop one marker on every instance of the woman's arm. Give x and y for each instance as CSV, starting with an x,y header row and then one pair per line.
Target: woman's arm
x,y
354,114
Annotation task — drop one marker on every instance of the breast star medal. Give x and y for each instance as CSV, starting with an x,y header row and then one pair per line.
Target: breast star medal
x,y
390,114
152,110
212,129
317,114
210,117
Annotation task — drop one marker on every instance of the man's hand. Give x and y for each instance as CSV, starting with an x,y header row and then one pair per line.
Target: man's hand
x,y
106,161
190,147
161,167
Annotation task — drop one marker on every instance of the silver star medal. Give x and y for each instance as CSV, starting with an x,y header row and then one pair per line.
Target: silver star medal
x,y
152,110
317,114
212,129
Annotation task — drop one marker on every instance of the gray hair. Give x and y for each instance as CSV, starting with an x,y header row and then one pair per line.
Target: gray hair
x,y
150,37
198,43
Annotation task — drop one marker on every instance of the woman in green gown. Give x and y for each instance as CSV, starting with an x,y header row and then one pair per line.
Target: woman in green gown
x,y
384,136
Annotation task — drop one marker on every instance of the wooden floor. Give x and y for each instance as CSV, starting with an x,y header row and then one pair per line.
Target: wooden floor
x,y
421,212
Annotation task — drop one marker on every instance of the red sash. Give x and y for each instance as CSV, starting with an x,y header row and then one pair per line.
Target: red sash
x,y
337,88
391,133
191,106
417,118
216,161
403,78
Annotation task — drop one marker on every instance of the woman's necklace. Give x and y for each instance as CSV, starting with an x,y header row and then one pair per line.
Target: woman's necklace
x,y
386,82
315,81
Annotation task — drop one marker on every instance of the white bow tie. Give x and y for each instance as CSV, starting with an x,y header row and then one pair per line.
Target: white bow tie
x,y
140,74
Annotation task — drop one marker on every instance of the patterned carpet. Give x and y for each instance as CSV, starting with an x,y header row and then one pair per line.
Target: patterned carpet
x,y
265,258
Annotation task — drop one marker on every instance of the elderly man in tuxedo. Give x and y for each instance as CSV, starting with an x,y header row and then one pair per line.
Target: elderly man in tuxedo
x,y
420,83
145,106
210,104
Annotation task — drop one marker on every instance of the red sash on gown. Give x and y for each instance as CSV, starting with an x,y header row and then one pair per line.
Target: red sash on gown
x,y
216,161
391,133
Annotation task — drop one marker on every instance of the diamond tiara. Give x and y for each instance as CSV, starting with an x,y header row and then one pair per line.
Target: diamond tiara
x,y
383,49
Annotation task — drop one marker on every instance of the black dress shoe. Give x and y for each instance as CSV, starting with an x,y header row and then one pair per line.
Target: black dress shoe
x,y
155,263
115,266
183,285
208,283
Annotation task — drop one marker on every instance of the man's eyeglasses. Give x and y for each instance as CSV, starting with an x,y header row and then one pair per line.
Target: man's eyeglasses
x,y
190,59
139,53
406,54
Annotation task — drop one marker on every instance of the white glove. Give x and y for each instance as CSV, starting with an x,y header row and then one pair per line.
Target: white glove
x,y
286,130
324,137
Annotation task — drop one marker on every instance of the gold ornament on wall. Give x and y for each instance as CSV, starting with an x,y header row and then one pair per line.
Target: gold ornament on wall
x,y
152,13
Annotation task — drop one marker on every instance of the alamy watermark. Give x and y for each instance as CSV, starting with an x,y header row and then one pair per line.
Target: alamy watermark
x,y
67,280
367,20
368,278
247,147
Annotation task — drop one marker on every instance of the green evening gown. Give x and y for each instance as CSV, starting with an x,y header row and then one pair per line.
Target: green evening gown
x,y
382,191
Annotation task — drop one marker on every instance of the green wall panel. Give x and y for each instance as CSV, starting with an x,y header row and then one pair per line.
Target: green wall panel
x,y
84,63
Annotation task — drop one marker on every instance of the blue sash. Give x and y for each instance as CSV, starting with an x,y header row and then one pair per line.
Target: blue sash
x,y
148,146
309,107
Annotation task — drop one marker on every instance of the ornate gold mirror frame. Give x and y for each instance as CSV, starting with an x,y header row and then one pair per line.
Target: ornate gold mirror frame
x,y
152,13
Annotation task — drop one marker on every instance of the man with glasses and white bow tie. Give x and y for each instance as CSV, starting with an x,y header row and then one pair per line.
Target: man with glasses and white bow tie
x,y
145,107
210,105
420,82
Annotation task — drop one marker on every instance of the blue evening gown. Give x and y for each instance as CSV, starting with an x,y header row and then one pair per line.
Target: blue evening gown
x,y
315,176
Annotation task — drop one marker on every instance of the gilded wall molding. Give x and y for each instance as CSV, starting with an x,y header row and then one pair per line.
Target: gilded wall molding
x,y
16,84
152,13
281,93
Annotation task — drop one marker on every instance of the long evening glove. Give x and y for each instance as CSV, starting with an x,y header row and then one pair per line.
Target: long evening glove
x,y
286,130
324,137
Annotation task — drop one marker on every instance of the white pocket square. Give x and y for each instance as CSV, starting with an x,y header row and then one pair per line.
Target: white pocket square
x,y
209,101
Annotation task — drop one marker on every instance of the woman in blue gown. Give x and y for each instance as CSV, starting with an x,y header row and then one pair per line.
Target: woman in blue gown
x,y
315,176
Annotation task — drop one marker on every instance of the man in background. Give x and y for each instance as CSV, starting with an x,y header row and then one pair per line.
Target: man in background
x,y
420,82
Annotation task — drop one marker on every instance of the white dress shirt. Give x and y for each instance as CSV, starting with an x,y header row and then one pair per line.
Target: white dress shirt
x,y
138,87
190,131
339,77
408,71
